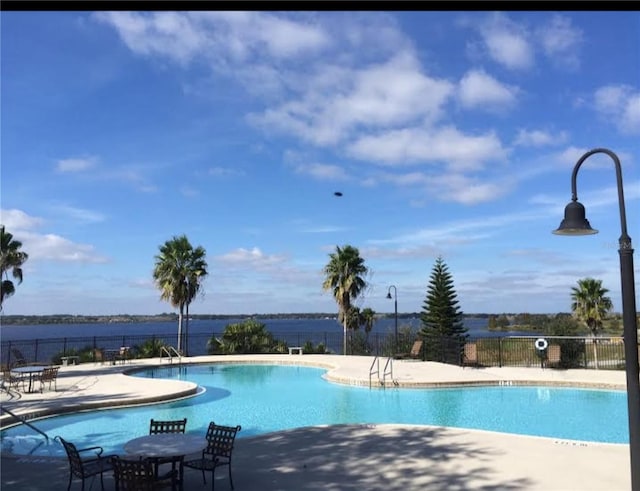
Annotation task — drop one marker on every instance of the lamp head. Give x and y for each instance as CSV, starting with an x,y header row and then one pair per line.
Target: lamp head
x,y
575,221
389,295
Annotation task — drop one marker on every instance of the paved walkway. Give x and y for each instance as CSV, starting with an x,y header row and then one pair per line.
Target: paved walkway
x,y
350,457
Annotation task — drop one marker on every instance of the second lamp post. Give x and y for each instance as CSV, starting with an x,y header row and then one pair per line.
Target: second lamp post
x,y
395,305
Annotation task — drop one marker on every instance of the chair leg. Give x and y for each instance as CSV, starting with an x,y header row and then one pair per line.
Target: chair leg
x,y
230,478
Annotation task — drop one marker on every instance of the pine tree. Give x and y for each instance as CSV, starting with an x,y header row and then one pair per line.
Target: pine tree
x,y
442,323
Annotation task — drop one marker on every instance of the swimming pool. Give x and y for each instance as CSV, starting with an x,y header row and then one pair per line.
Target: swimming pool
x,y
263,398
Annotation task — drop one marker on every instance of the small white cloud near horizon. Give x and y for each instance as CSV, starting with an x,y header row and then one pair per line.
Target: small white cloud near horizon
x,y
75,164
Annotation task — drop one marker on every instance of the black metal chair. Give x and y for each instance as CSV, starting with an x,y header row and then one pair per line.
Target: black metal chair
x,y
170,426
49,375
87,467
220,441
18,358
133,474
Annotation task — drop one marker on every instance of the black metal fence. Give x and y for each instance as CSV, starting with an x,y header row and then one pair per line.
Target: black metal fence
x,y
512,351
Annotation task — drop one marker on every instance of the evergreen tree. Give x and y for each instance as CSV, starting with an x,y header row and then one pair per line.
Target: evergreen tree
x,y
442,324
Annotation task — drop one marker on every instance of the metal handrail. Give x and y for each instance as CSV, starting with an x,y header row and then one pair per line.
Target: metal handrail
x,y
168,350
376,361
24,421
388,364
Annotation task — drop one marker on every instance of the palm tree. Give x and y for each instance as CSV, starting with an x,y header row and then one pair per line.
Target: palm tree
x,y
178,273
11,259
344,277
591,305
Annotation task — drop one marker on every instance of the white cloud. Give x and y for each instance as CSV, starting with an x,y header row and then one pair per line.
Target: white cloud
x,y
170,34
467,190
326,172
507,42
539,138
251,258
620,104
479,90
51,247
219,36
18,220
381,95
46,247
561,41
75,164
79,214
421,145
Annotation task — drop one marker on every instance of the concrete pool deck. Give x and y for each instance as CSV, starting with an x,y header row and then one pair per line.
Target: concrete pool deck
x,y
349,457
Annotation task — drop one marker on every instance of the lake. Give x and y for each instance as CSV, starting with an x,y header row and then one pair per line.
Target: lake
x,y
477,327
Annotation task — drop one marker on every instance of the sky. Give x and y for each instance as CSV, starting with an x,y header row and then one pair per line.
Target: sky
x,y
449,134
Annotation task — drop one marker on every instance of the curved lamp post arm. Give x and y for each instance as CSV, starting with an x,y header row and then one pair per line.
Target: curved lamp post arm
x,y
576,224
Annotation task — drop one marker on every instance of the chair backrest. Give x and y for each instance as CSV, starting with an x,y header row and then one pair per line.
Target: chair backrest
x,y
49,374
553,353
19,359
417,346
98,354
471,352
174,426
133,474
75,462
220,439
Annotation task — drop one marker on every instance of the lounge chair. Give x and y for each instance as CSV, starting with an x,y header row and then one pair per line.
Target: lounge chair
x,y
416,351
88,467
469,355
218,452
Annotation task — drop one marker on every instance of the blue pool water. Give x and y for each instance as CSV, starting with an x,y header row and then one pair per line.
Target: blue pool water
x,y
266,398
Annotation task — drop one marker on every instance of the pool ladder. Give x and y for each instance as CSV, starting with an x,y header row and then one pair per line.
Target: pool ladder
x,y
388,370
171,352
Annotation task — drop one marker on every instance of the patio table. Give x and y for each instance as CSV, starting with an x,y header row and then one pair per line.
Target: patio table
x,y
32,371
167,445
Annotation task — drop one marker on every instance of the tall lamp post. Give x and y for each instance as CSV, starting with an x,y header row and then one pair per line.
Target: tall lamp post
x,y
575,223
395,307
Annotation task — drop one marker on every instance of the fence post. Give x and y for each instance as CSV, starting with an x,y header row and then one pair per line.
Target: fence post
x,y
500,352
64,347
36,355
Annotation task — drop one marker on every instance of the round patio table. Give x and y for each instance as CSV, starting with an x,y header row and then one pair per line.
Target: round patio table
x,y
167,445
31,371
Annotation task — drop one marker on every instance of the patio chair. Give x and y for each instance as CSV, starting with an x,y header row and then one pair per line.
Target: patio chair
x,y
220,441
416,351
88,467
469,355
11,381
133,474
553,356
170,426
18,358
50,375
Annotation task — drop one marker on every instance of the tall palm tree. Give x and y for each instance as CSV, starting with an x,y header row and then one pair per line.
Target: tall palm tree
x,y
591,305
11,260
344,277
178,273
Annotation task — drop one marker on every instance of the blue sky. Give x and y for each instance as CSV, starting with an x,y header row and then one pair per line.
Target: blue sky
x,y
448,133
